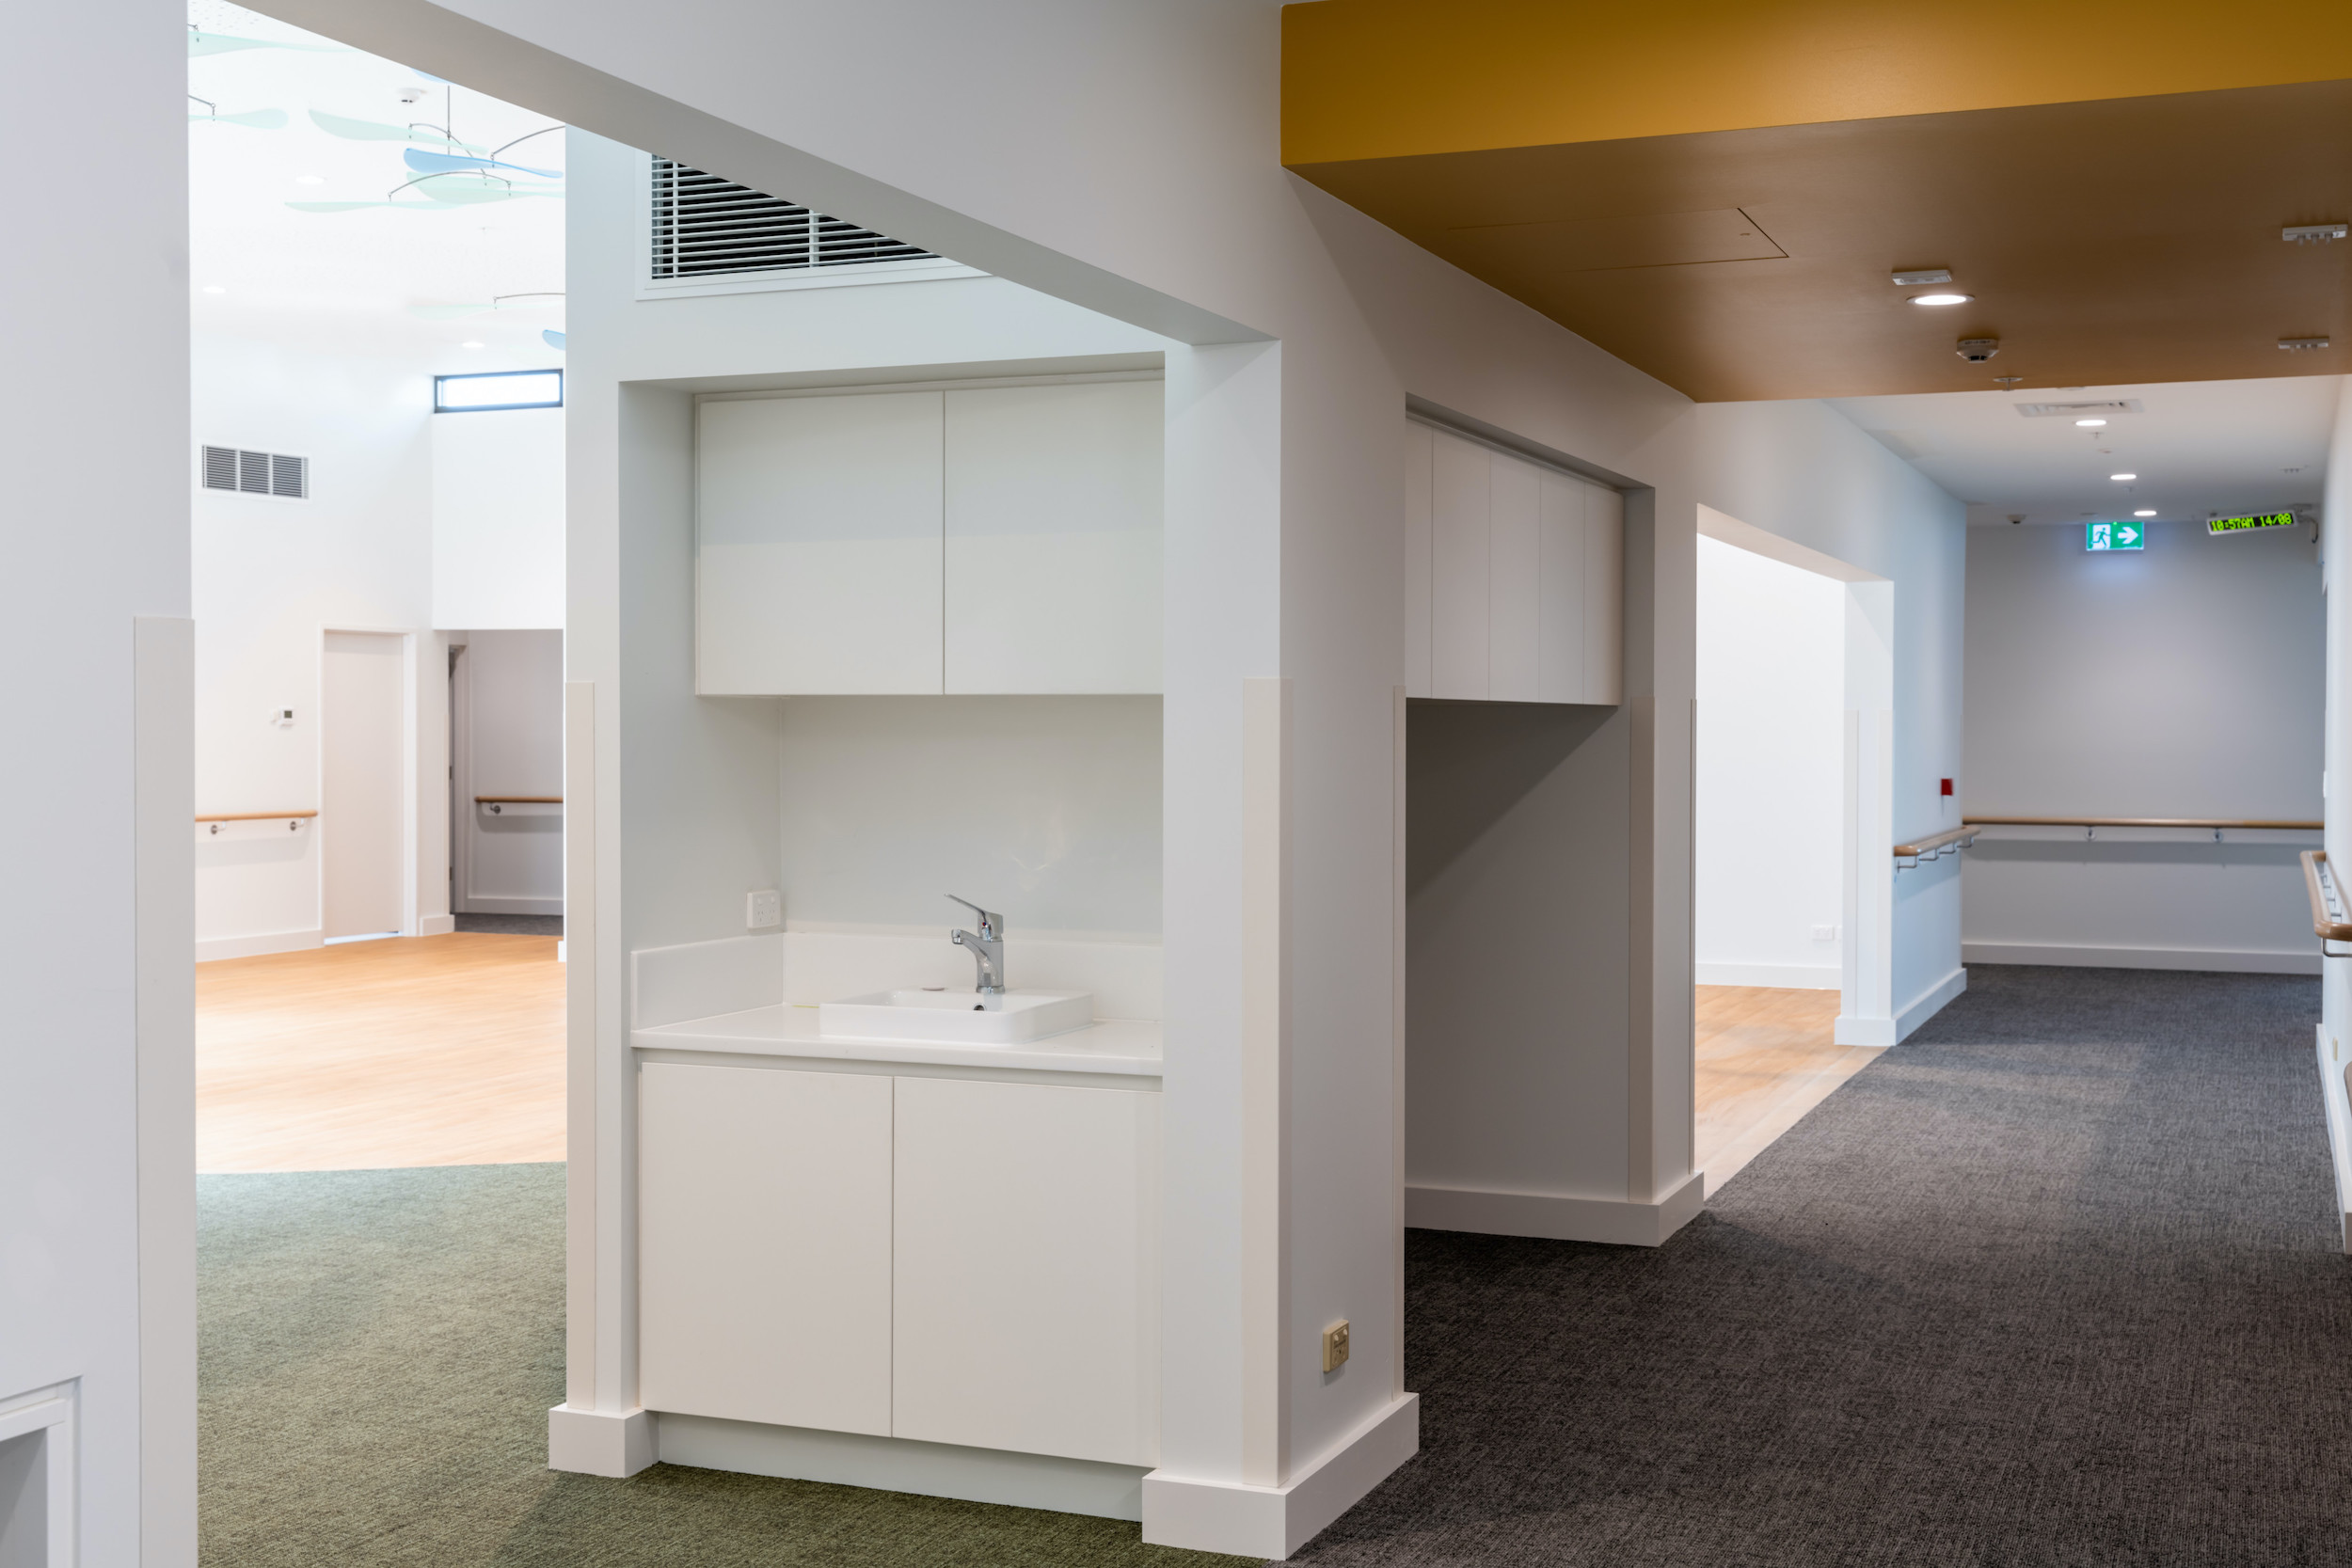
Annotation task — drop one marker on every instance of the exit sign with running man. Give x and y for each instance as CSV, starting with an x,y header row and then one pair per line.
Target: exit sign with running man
x,y
2114,536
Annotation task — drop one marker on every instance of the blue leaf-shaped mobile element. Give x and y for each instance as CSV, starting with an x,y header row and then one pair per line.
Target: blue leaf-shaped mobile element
x,y
371,130
553,339
449,163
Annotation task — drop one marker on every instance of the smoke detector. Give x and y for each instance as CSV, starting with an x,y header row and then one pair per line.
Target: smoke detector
x,y
1978,350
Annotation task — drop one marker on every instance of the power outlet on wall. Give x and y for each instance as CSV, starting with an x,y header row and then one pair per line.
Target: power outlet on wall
x,y
763,908
1824,933
1335,1346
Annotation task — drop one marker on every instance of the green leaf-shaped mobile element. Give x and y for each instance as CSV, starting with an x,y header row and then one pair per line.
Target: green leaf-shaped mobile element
x,y
354,206
226,43
260,120
371,130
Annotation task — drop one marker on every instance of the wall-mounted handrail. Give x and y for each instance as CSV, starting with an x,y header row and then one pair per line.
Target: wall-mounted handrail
x,y
519,800
254,816
1928,848
2139,822
2320,883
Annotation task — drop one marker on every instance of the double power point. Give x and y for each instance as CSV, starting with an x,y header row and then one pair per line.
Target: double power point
x,y
1335,1346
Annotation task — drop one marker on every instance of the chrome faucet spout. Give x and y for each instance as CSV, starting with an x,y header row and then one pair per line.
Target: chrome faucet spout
x,y
987,948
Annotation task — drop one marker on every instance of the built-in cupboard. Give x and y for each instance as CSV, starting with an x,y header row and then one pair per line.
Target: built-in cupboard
x,y
1513,577
990,539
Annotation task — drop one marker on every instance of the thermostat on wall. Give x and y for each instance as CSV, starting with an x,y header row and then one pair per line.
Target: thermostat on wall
x,y
283,718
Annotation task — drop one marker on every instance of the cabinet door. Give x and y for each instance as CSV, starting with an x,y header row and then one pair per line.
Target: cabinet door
x,y
1513,593
1054,537
1604,595
1417,456
1460,568
1560,552
763,1248
1027,1296
818,553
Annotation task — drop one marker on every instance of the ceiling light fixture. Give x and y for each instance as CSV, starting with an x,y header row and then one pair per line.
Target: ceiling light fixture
x,y
1941,299
2089,425
2123,479
2143,514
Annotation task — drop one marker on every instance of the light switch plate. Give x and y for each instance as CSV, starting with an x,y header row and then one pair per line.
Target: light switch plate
x,y
763,908
1335,1346
1824,933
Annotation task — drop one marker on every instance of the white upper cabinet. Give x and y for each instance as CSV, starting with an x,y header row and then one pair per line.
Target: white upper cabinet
x,y
1054,538
1513,577
819,563
991,540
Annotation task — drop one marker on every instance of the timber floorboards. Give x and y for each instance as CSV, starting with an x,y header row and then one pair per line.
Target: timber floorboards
x,y
1766,1056
409,1051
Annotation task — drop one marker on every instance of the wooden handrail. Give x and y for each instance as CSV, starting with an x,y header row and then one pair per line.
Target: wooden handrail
x,y
2324,926
519,800
2135,822
255,816
1962,835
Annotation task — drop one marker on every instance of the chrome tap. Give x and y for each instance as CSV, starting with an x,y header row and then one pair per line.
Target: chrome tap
x,y
988,948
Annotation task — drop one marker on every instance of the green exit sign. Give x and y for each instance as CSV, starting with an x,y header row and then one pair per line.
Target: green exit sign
x,y
2114,536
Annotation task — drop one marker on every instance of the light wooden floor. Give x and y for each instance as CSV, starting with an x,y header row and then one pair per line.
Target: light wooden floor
x,y
1765,1058
425,1050
449,1051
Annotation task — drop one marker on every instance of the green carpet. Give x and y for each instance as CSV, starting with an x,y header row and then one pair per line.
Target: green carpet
x,y
378,1350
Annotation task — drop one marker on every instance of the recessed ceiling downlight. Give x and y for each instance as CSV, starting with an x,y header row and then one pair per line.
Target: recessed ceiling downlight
x,y
2089,425
1941,299
2123,479
2148,513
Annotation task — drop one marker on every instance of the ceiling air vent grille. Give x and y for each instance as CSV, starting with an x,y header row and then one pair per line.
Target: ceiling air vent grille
x,y
2077,410
256,473
703,227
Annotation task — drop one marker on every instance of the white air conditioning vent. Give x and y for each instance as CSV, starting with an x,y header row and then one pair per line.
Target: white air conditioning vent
x,y
256,473
705,227
2077,410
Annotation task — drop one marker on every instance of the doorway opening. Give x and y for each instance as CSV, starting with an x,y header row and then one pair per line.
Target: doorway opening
x,y
1791,890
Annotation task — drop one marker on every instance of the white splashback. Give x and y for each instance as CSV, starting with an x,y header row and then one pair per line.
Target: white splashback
x,y
825,963
703,979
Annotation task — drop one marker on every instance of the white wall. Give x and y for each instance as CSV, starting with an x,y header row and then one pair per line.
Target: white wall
x,y
1769,772
2336,587
1044,809
97,1224
1805,472
498,518
2182,680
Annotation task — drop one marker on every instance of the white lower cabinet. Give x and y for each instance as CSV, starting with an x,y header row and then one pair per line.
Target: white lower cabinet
x,y
763,1247
1025,1308
950,1259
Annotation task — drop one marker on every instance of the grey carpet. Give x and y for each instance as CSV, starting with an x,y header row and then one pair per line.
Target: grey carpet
x,y
2057,1282
377,1352
513,925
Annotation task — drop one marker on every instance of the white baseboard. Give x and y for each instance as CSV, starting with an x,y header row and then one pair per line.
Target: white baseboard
x,y
1276,1521
1929,1002
596,1443
2337,1102
1858,1029
903,1464
528,904
260,941
1777,976
437,924
2211,959
1554,1218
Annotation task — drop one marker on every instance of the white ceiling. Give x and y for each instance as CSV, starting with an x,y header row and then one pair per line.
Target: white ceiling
x,y
2200,448
345,282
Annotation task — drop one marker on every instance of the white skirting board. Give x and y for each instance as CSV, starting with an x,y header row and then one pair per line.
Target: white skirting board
x,y
2211,959
901,1465
1276,1521
521,904
1775,976
598,1443
1555,1219
2337,1099
1894,1031
435,924
260,942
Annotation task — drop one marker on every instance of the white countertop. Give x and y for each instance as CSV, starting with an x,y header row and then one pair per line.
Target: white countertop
x,y
1108,1045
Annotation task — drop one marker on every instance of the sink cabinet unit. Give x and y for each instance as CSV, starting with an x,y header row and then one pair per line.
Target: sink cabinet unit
x,y
1513,577
997,539
962,1261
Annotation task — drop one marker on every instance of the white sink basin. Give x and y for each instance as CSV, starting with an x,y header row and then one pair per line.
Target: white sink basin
x,y
956,1017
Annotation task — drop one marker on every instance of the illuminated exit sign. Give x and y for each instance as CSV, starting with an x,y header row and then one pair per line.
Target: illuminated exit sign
x,y
2242,524
2114,536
